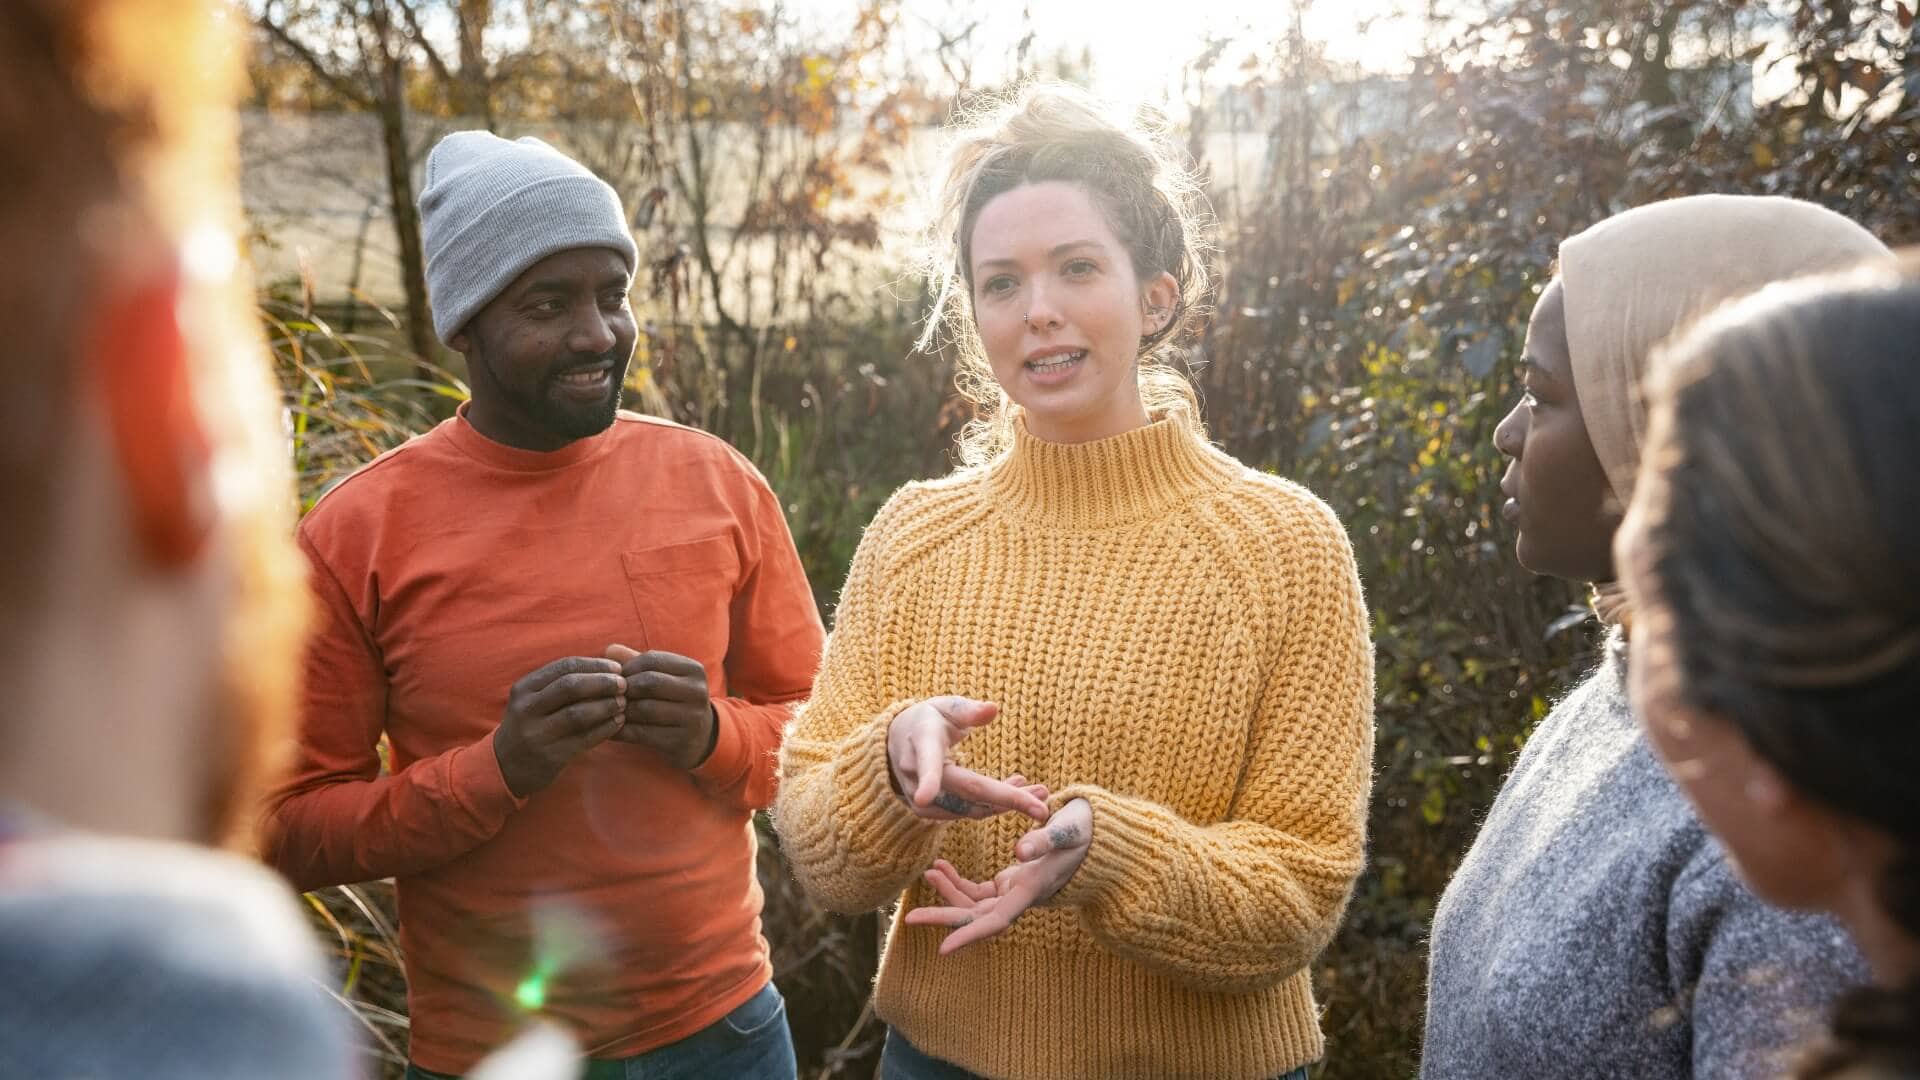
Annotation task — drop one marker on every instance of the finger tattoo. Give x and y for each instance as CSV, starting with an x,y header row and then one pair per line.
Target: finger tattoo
x,y
1064,835
952,804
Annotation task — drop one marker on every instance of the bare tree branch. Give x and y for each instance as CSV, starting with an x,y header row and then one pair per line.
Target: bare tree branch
x,y
438,65
338,83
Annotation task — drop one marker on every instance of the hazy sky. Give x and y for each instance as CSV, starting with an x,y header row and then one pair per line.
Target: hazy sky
x,y
1139,47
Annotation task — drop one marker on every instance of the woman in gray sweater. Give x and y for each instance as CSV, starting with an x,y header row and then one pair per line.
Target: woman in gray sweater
x,y
1774,557
1594,929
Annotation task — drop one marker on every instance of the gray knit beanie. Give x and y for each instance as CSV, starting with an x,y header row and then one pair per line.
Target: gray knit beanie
x,y
491,208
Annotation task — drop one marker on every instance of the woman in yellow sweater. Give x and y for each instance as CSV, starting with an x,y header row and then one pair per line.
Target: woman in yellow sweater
x,y
1157,659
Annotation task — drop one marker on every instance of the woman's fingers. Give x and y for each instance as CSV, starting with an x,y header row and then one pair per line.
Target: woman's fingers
x,y
1005,881
940,916
972,890
992,918
1070,827
992,924
1038,791
949,889
970,923
1048,857
955,915
976,911
1033,845
942,791
965,713
975,795
928,754
1055,835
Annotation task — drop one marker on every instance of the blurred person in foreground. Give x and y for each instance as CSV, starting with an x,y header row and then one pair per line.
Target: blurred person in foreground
x,y
580,631
1595,928
1157,659
150,599
1772,553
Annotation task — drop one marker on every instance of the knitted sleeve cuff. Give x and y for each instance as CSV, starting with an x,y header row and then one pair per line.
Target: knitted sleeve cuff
x,y
877,818
1122,853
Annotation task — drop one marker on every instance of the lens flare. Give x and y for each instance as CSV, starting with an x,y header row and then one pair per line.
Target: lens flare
x,y
531,994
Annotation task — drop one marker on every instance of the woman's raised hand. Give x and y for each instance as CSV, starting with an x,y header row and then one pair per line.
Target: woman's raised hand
x,y
919,741
1047,858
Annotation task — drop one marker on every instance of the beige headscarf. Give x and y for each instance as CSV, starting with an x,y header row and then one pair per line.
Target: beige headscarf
x,y
1636,278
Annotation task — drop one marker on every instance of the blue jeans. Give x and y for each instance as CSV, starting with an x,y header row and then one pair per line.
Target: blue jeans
x,y
901,1060
749,1043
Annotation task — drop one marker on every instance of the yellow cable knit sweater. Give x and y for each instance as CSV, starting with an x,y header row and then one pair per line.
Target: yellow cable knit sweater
x,y
1173,637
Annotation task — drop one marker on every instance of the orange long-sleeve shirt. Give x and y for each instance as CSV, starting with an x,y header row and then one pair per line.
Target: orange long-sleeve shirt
x,y
621,900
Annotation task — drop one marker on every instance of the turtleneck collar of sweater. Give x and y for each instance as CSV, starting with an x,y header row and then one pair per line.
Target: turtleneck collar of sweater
x,y
1136,476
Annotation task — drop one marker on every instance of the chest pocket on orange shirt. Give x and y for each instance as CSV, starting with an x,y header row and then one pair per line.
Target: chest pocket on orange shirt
x,y
683,594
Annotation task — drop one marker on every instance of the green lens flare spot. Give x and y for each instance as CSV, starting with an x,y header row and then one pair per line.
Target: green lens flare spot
x,y
531,994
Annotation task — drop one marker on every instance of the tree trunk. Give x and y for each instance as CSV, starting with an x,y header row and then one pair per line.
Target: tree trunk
x,y
392,108
1656,74
474,90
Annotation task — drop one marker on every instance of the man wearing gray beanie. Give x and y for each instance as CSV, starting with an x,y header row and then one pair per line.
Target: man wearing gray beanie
x,y
580,632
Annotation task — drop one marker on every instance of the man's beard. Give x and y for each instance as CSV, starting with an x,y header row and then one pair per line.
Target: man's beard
x,y
554,413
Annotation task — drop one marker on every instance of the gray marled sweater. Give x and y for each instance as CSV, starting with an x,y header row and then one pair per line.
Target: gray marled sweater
x,y
1596,930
